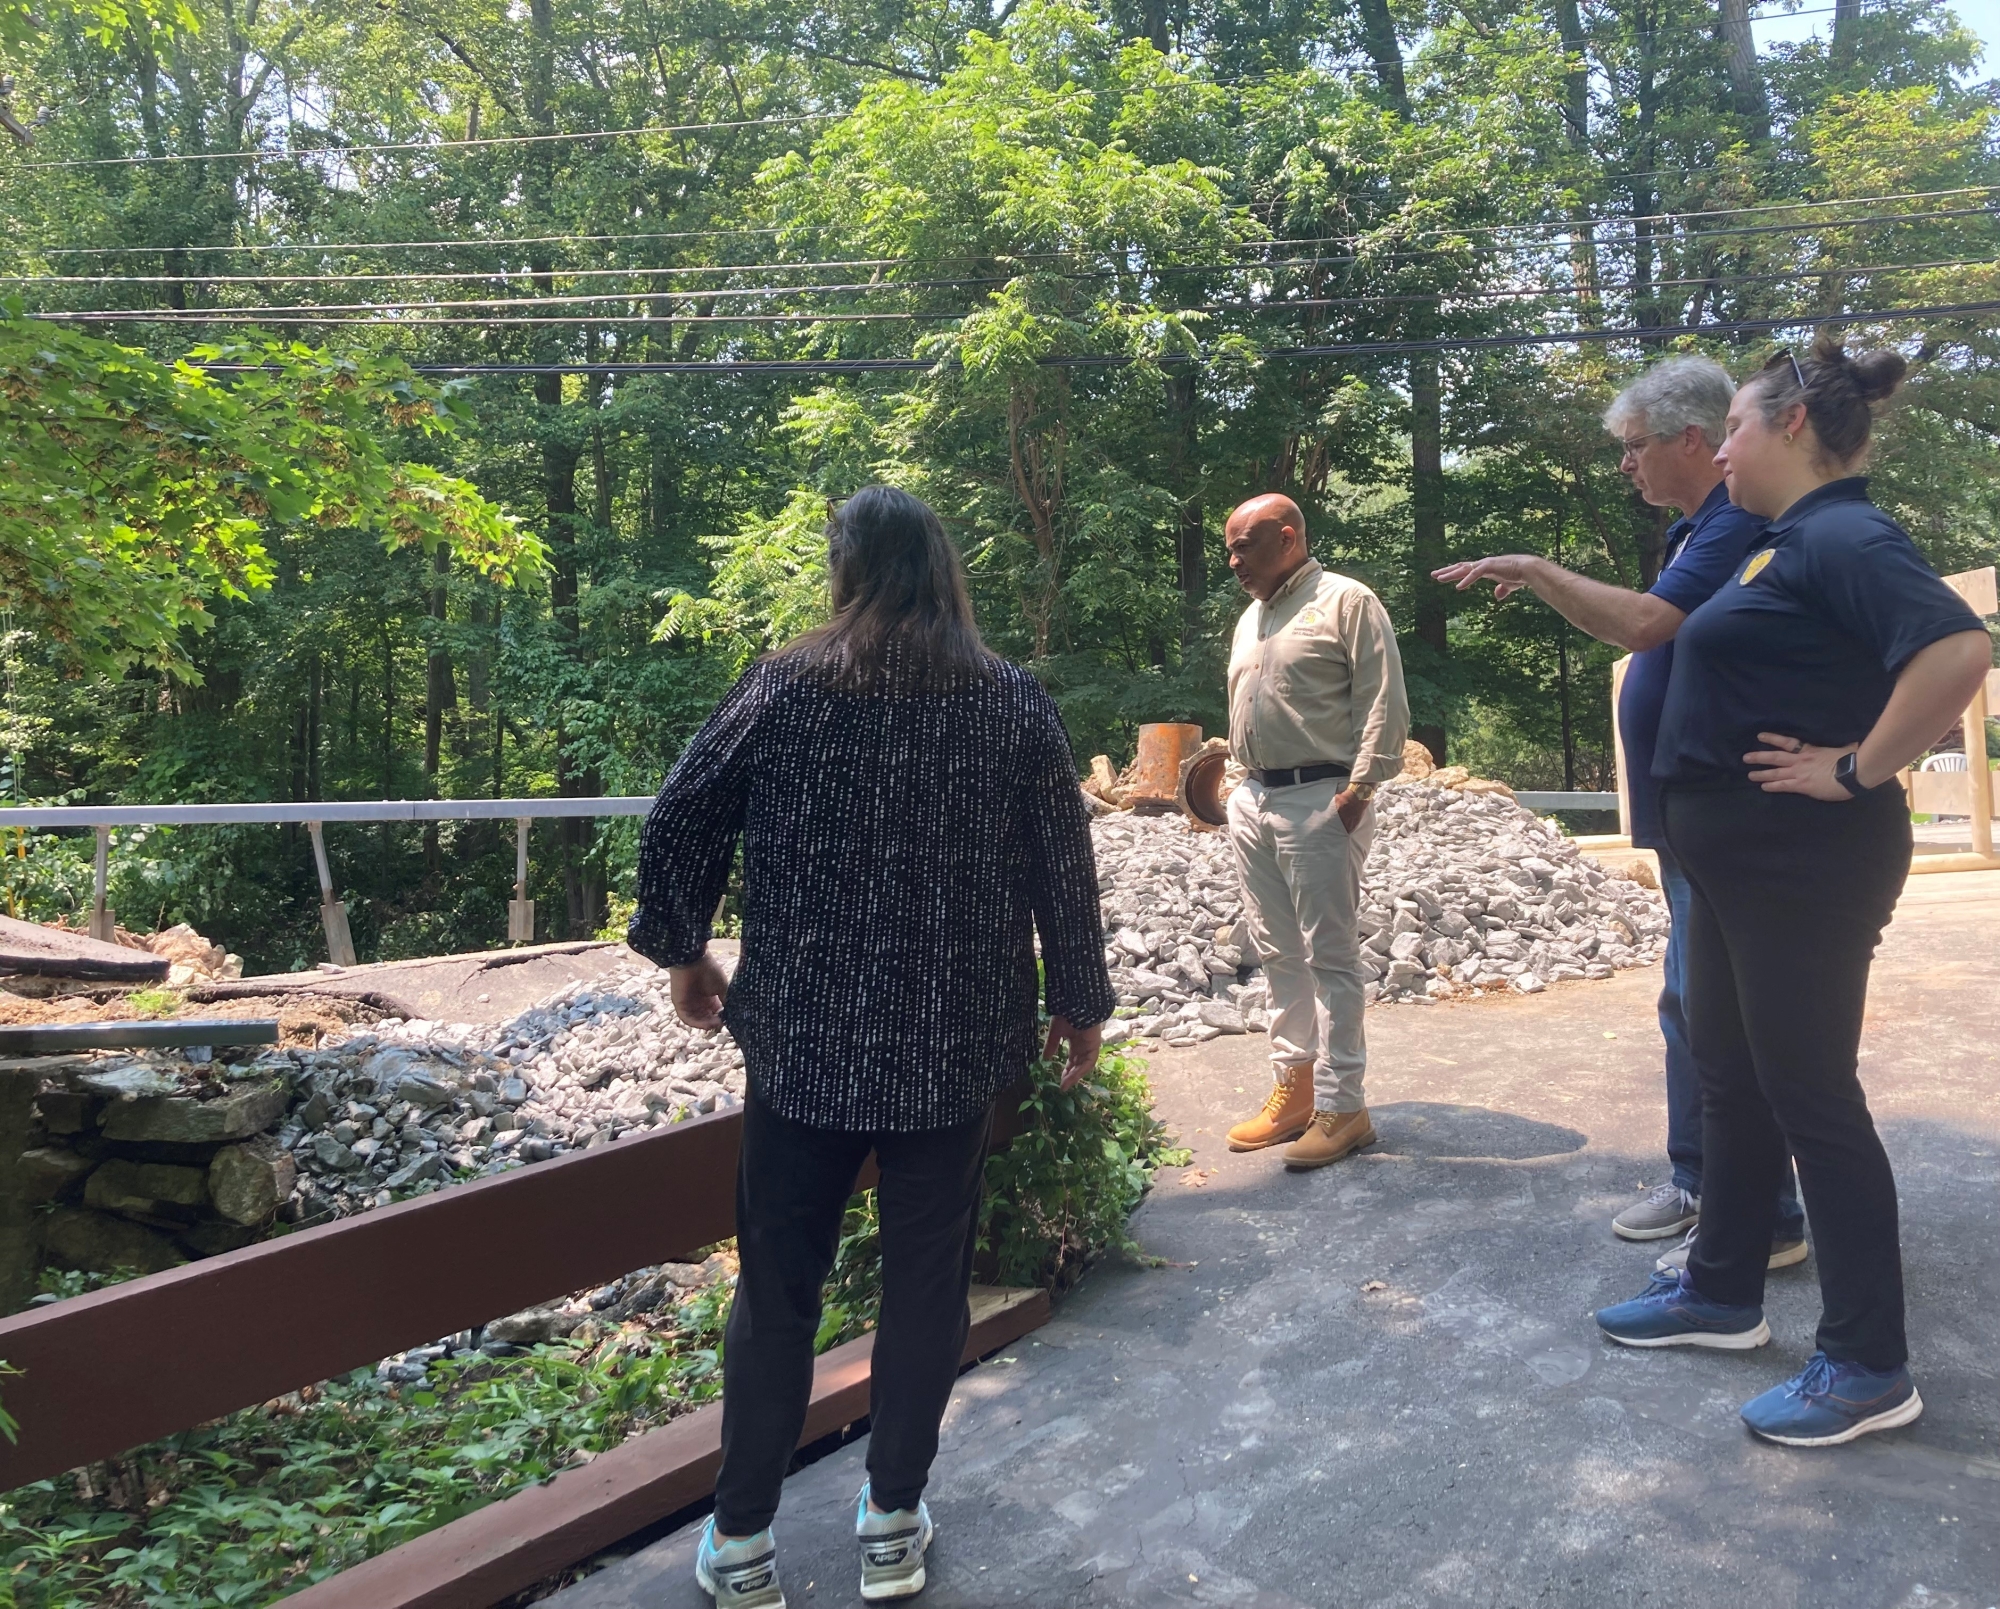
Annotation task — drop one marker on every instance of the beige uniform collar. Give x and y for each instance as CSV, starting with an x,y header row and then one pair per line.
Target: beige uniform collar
x,y
1306,572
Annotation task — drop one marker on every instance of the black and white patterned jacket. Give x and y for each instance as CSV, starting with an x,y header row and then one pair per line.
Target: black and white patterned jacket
x,y
899,855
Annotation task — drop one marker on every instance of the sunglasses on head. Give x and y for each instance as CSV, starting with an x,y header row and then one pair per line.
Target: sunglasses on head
x,y
1784,355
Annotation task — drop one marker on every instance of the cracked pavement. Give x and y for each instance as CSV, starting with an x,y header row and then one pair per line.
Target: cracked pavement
x,y
1379,1385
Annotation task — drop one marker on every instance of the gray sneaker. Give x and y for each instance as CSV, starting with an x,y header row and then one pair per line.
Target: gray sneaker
x,y
742,1574
892,1550
1664,1210
1787,1251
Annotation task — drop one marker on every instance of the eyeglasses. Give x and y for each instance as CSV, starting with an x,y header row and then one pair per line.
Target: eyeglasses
x,y
1784,355
1633,445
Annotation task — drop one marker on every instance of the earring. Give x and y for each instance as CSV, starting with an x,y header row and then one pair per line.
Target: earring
x,y
1788,438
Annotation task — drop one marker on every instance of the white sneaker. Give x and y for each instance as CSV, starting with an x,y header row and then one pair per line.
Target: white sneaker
x,y
1786,1252
892,1550
742,1574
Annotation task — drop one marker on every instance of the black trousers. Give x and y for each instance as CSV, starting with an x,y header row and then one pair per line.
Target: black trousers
x,y
792,1187
1790,898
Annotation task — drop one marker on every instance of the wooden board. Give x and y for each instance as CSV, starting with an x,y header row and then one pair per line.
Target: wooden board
x,y
1977,587
131,1363
48,952
475,1562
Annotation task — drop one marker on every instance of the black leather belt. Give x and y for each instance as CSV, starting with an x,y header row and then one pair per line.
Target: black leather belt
x,y
1297,776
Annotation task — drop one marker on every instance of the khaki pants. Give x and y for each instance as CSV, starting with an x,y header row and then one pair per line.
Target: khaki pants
x,y
1301,873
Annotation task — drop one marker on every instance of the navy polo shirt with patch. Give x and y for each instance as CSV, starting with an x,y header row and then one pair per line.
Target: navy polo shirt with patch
x,y
1703,551
1806,640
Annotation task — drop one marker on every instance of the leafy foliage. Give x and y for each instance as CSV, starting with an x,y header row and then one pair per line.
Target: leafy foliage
x,y
274,1498
136,491
1060,1195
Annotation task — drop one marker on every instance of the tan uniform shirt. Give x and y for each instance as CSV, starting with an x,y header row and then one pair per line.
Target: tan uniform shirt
x,y
1315,679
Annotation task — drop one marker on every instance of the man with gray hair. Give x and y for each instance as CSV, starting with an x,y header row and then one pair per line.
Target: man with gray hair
x,y
1670,423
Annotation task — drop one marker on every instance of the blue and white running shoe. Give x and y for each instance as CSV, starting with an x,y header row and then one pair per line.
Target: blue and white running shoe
x,y
742,1574
1669,1313
1829,1402
892,1550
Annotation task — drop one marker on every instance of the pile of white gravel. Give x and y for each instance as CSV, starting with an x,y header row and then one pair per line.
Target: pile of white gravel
x,y
403,1104
1461,892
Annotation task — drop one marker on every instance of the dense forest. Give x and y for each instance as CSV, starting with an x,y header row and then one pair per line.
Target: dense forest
x,y
539,338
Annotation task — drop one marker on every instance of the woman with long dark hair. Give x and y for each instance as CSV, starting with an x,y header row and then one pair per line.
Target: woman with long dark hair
x,y
1826,664
910,821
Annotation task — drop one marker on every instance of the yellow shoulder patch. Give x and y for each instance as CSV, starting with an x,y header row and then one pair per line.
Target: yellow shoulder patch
x,y
1755,567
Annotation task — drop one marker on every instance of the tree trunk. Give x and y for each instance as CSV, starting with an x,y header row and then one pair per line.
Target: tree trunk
x,y
1746,80
388,714
1190,541
1645,193
1427,546
1846,32
1378,34
1576,130
583,891
1426,416
315,705
440,694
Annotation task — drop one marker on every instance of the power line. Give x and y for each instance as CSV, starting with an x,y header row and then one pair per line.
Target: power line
x,y
431,245
268,154
281,315
348,313
1079,255
1374,348
1389,257
782,366
414,276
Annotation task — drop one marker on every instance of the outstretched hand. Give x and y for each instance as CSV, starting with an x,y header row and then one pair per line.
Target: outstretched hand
x,y
698,991
1507,571
1084,1045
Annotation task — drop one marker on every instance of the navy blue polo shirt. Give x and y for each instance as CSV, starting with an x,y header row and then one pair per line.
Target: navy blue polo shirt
x,y
1703,551
1806,641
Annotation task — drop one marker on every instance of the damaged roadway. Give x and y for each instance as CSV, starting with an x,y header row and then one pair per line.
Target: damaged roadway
x,y
1258,1424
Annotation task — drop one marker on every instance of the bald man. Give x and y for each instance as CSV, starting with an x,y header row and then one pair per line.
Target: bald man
x,y
1317,718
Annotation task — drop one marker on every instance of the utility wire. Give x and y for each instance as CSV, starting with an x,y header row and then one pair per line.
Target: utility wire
x,y
1569,225
344,312
294,153
783,366
1388,257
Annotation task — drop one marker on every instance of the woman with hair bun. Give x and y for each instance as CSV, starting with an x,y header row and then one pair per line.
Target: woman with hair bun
x,y
1799,690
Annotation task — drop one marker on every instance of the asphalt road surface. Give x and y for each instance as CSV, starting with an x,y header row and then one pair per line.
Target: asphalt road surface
x,y
1379,1385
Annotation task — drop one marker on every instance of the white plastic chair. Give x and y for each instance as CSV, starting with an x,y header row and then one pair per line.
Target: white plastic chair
x,y
1944,762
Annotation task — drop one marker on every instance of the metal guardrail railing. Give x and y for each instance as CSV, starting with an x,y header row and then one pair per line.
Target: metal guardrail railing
x,y
216,815
315,813
1549,801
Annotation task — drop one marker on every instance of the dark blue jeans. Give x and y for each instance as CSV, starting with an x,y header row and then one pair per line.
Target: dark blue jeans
x,y
1683,1072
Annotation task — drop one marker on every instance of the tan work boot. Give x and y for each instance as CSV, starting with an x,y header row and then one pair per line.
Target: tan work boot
x,y
1328,1138
1285,1116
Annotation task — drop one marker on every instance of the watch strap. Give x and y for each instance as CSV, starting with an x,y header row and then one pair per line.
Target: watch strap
x,y
1846,771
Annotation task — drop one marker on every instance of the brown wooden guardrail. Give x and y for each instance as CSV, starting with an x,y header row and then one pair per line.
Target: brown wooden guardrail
x,y
106,1371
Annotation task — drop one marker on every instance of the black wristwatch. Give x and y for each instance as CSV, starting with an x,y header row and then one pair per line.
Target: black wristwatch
x,y
1845,772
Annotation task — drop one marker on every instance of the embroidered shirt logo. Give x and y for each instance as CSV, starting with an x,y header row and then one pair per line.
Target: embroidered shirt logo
x,y
1755,567
1308,617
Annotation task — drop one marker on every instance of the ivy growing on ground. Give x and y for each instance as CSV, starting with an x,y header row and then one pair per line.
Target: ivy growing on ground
x,y
264,1502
